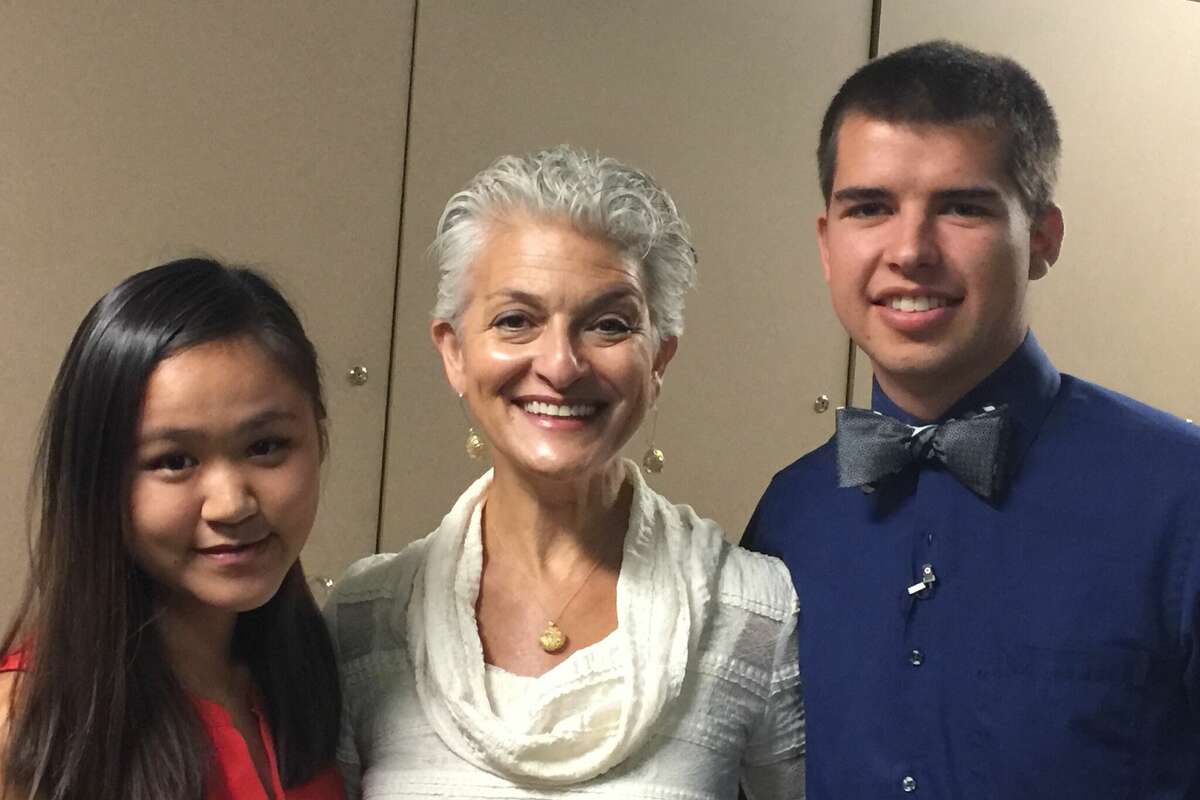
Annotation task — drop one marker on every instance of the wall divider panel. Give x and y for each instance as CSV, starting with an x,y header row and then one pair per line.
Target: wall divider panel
x,y
1120,306
267,132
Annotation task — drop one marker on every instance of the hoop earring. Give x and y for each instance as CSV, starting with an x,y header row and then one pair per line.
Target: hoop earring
x,y
654,459
476,446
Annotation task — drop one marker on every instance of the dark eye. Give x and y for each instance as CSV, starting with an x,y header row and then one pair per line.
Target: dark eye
x,y
612,326
511,322
268,447
864,210
171,462
966,210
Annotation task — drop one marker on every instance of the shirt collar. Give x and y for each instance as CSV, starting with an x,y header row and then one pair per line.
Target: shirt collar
x,y
1027,383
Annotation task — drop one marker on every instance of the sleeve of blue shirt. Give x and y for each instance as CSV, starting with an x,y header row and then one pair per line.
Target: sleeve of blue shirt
x,y
1190,629
757,534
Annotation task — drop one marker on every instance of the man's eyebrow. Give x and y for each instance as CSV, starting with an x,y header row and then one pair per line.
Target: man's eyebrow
x,y
860,194
968,193
867,194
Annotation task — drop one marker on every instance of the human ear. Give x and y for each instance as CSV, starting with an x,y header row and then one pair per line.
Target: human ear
x,y
666,351
446,340
822,243
1045,241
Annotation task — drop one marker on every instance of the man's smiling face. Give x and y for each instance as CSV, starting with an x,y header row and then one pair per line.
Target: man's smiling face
x,y
928,253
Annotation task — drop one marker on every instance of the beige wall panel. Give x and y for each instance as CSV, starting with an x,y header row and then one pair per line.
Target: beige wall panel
x,y
1124,77
266,132
860,391
721,101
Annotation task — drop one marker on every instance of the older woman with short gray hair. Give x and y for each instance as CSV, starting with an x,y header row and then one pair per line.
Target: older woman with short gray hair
x,y
566,628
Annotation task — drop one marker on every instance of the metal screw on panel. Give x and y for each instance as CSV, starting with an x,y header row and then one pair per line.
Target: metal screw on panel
x,y
821,404
357,375
321,587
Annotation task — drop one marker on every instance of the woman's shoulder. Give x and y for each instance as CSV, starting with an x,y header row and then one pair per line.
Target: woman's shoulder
x,y
15,661
325,785
11,665
367,606
751,581
757,583
8,686
382,576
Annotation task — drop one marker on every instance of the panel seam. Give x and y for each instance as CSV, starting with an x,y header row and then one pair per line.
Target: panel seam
x,y
872,54
391,362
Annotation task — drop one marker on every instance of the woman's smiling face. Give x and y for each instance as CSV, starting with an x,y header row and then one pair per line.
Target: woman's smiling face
x,y
554,353
226,476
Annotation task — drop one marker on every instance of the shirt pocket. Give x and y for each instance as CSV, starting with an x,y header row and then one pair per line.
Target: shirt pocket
x,y
1059,723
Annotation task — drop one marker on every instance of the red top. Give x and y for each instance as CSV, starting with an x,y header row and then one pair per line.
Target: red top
x,y
233,776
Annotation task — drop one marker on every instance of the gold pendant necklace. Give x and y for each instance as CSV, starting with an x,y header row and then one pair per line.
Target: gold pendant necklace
x,y
552,639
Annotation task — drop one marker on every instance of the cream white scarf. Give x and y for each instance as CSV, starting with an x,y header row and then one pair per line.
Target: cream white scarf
x,y
667,580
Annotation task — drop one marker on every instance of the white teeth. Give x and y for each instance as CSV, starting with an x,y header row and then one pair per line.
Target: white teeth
x,y
916,303
555,410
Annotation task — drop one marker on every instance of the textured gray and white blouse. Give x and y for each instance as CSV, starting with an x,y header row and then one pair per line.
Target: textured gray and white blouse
x,y
696,690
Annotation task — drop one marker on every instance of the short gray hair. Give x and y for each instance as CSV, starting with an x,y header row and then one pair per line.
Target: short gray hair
x,y
598,196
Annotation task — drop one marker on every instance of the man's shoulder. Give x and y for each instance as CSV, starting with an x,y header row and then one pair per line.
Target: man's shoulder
x,y
1096,410
807,484
814,465
1128,450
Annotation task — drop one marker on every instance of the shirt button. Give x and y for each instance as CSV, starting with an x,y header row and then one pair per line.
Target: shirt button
x,y
916,658
909,784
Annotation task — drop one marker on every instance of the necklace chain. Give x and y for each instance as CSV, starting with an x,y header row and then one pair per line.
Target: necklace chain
x,y
552,639
575,593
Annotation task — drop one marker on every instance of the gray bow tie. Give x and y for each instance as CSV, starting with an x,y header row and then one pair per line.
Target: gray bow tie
x,y
870,447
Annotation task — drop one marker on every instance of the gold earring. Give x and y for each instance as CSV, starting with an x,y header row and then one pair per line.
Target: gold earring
x,y
654,459
476,446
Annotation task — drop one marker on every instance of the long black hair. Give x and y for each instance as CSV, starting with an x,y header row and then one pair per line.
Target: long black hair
x,y
97,712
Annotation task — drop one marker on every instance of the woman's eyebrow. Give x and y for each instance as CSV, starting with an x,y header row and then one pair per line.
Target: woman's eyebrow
x,y
514,294
613,295
178,433
264,418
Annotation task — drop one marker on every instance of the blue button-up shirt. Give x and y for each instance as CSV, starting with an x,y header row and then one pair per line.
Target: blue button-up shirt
x,y
1057,653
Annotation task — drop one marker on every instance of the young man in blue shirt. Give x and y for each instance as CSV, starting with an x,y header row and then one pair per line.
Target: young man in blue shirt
x,y
999,567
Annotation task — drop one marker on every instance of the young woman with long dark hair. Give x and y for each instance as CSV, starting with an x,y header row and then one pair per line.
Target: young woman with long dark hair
x,y
167,645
